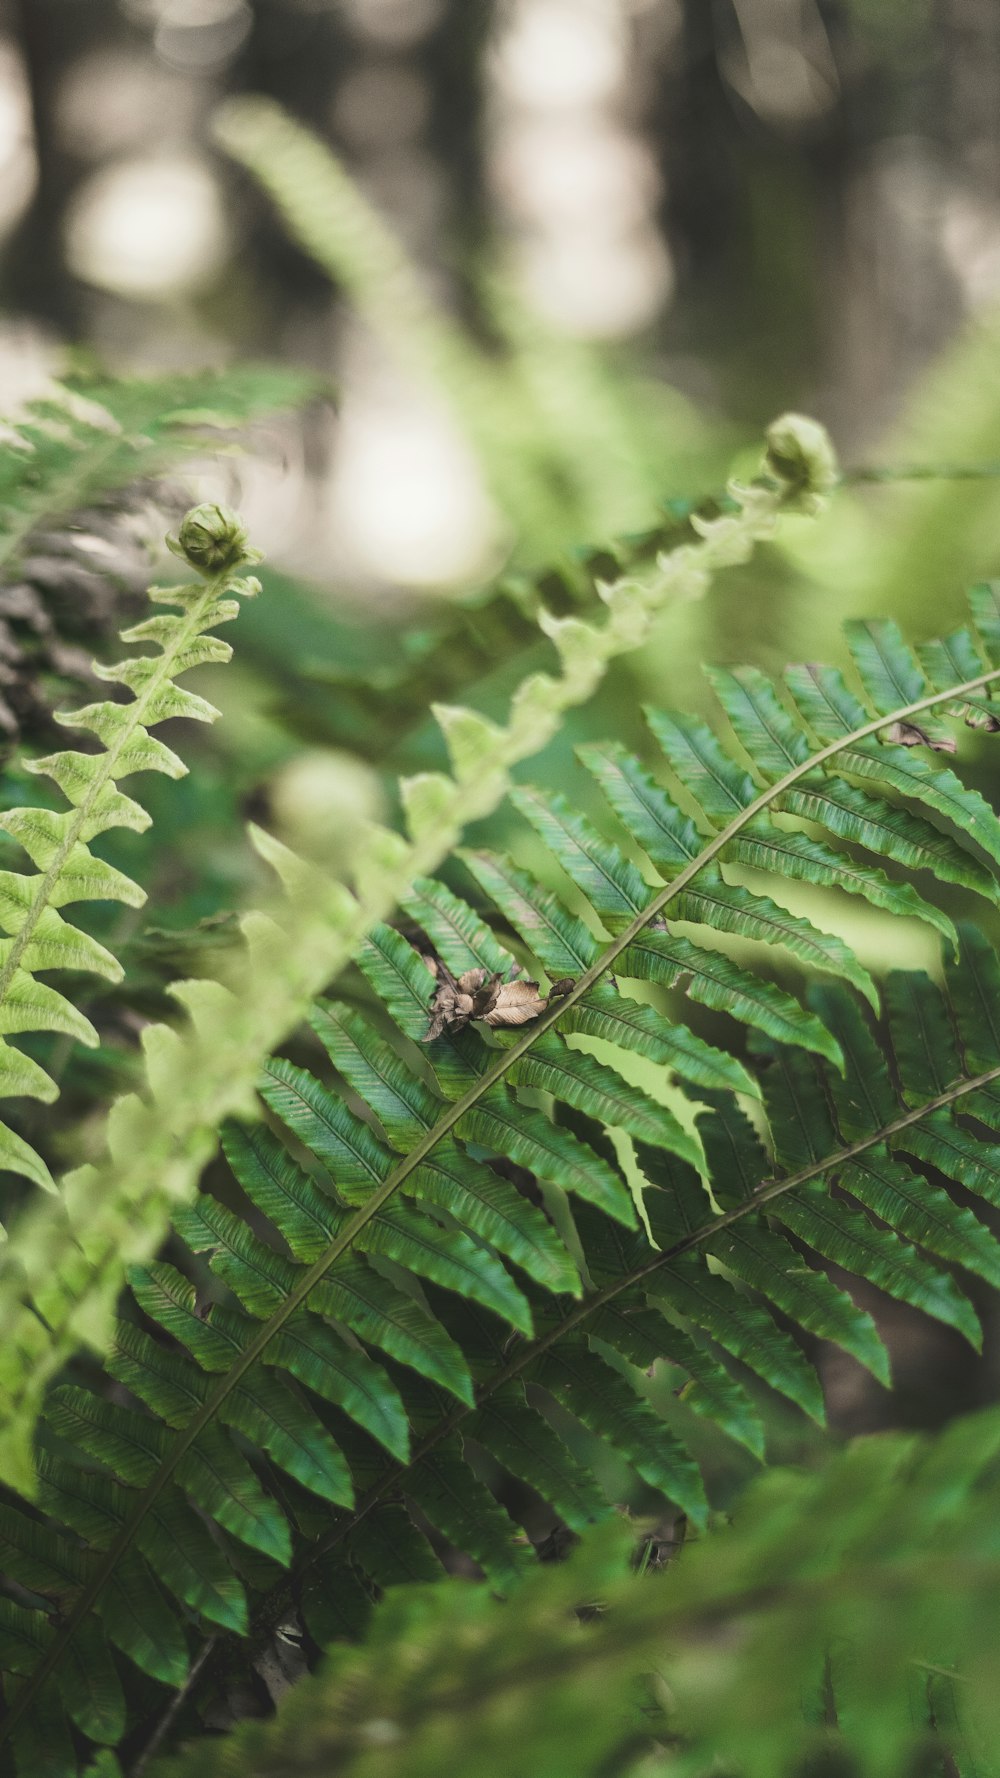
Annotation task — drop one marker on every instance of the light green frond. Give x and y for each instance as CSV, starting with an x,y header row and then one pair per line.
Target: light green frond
x,y
38,938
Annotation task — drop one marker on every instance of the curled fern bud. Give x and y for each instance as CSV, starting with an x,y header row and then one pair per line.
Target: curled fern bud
x,y
212,538
799,453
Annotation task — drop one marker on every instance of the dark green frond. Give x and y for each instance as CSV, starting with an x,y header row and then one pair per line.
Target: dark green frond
x,y
441,1267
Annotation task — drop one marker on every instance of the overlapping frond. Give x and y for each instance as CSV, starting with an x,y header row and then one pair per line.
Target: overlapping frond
x,y
73,1250
439,1265
37,939
720,1663
382,703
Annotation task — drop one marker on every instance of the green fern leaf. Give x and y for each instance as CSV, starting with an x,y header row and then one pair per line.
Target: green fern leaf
x,y
923,1037
724,789
345,1377
578,1080
973,983
266,1410
465,1513
38,938
217,1478
92,1690
454,929
561,942
630,1327
404,1235
831,711
602,1399
887,668
630,1024
24,1637
833,1230
358,1298
863,1100
141,1624
530,1140
523,1441
357,1160
957,1153
713,980
446,1177
686,1287
762,1260
617,892
776,745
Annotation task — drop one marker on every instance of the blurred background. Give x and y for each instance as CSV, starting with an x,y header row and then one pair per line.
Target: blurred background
x,y
729,206
637,230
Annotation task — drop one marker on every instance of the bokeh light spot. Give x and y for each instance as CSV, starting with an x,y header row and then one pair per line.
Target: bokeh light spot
x,y
398,23
17,156
201,35
407,503
560,52
596,286
148,228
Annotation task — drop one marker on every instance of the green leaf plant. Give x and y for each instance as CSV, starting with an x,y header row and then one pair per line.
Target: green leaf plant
x,y
38,939
443,1260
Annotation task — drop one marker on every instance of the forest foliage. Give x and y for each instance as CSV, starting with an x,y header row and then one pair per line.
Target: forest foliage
x,y
467,1195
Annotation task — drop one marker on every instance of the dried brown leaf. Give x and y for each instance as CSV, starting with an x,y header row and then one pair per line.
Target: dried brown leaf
x,y
476,994
908,734
515,1003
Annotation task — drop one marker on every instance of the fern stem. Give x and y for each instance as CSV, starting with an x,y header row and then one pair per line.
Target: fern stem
x,y
921,472
132,719
174,1708
313,1274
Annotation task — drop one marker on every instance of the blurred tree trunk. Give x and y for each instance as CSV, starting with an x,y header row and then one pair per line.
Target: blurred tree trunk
x,y
52,36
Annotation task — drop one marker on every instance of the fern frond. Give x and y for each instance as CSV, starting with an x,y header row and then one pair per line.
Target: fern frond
x,y
37,937
71,1256
632,1284
393,1244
